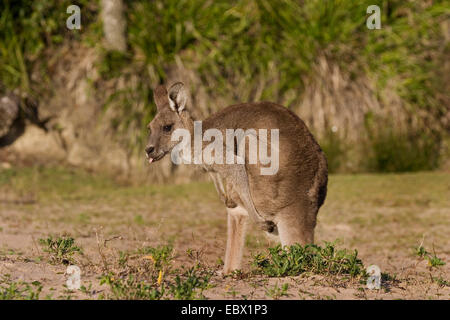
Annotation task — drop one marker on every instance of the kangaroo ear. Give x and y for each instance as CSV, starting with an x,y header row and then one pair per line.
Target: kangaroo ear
x,y
177,97
160,97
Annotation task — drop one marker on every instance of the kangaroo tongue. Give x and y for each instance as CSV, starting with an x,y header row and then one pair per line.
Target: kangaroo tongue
x,y
150,160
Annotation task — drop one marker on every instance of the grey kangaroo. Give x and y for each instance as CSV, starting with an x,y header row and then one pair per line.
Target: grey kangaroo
x,y
285,204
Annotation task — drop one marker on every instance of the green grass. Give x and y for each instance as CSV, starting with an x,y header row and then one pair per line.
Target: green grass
x,y
276,292
391,190
55,183
147,274
441,282
154,278
297,259
131,288
161,256
187,286
19,290
190,285
48,184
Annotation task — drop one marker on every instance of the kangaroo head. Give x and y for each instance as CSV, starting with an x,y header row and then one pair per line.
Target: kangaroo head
x,y
171,115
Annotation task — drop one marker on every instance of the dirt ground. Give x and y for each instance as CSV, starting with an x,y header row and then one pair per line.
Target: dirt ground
x,y
383,217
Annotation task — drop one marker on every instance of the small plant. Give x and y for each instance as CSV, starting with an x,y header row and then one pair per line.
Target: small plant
x,y
86,290
421,252
190,285
158,280
238,274
231,292
386,277
123,258
441,281
150,263
19,290
277,292
60,249
161,255
297,259
132,289
433,259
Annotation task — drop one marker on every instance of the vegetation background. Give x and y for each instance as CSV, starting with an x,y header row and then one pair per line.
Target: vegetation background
x,y
377,100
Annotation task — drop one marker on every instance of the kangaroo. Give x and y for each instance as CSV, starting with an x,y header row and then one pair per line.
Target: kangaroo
x,y
284,204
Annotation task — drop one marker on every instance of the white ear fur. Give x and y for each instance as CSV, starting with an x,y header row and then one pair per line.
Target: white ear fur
x,y
177,97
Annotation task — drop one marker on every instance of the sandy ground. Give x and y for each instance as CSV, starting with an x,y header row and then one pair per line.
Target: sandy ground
x,y
384,217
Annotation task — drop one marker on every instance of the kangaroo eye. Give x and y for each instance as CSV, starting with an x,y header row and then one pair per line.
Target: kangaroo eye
x,y
167,128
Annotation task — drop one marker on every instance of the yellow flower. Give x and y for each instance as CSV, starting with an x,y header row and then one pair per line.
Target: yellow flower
x,y
160,277
149,257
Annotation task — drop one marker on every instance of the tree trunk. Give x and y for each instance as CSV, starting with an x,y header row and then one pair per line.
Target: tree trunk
x,y
114,24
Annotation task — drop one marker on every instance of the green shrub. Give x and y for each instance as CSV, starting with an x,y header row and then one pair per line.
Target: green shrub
x,y
60,249
29,28
334,149
132,289
433,259
10,290
297,259
161,255
403,152
190,285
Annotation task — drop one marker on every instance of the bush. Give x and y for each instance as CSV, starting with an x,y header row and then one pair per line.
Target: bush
x,y
334,149
400,152
297,259
29,28
60,249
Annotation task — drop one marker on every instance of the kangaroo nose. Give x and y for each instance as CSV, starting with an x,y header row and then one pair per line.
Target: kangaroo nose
x,y
149,149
